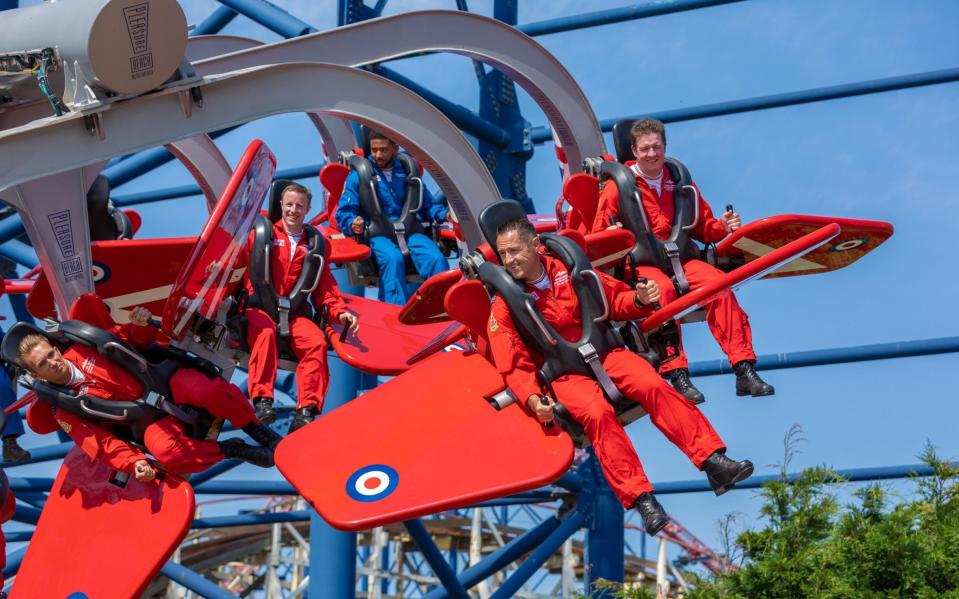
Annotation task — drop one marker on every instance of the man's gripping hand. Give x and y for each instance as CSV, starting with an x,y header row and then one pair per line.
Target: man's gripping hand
x,y
140,316
647,293
350,321
357,225
144,471
541,406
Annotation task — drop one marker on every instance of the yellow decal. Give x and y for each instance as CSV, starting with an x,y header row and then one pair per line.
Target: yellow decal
x,y
65,426
493,325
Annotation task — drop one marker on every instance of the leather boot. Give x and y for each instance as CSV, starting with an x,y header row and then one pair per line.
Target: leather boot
x,y
724,473
237,448
748,381
653,514
12,452
680,381
263,435
264,410
303,417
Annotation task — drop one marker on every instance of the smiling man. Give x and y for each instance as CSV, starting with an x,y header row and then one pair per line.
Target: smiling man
x,y
281,306
548,280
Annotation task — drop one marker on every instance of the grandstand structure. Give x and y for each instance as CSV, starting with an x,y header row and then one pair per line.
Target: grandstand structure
x,y
258,538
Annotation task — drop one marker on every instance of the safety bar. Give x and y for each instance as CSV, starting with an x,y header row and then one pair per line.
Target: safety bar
x,y
319,273
136,357
602,294
98,413
266,264
539,323
642,210
695,208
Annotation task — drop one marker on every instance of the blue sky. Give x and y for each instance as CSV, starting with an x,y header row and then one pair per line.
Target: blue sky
x,y
889,156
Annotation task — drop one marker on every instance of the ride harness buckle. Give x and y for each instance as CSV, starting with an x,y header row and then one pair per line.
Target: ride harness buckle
x,y
672,252
591,357
283,310
160,402
400,230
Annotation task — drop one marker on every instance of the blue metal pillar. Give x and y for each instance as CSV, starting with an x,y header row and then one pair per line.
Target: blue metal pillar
x,y
8,4
500,106
604,532
219,19
332,552
200,585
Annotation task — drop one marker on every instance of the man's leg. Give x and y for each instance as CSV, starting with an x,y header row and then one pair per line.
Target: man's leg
x,y
427,258
216,396
392,268
312,372
585,402
12,452
177,452
679,420
675,366
261,372
730,327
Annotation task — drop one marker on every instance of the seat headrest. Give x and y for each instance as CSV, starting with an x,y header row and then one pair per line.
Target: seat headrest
x,y
8,348
495,215
623,141
276,193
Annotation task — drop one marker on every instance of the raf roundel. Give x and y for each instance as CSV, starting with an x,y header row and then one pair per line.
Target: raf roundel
x,y
372,483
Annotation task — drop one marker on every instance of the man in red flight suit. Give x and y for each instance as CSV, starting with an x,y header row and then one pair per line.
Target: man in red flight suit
x,y
547,278
85,371
727,321
306,339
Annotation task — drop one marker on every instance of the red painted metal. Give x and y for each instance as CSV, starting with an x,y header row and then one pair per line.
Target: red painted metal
x,y
435,430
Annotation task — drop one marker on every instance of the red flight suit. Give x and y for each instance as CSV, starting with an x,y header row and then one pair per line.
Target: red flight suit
x,y
727,321
9,507
306,338
165,438
680,421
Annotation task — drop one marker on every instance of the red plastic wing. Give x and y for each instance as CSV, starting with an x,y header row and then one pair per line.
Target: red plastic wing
x,y
858,238
424,442
752,270
581,191
99,540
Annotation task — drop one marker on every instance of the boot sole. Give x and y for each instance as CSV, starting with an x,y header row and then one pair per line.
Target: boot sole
x,y
743,475
267,418
747,394
653,531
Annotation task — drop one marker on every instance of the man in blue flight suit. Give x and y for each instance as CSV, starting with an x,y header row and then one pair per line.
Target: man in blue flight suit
x,y
389,179
12,452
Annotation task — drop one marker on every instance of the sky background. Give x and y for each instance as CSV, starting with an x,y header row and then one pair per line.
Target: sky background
x,y
889,156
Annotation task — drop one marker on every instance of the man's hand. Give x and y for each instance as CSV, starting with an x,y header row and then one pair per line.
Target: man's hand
x,y
140,316
143,471
616,225
357,225
543,410
731,221
647,293
350,321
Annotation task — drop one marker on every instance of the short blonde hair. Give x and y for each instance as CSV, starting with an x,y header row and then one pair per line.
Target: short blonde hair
x,y
26,346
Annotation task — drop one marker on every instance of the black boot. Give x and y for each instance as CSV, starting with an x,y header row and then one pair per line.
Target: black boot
x,y
264,409
303,417
653,514
237,448
12,452
748,381
680,381
263,435
724,473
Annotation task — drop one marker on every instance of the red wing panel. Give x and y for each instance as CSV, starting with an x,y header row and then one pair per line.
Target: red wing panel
x,y
383,344
208,276
101,540
752,270
581,191
424,442
126,274
426,304
605,248
858,238
342,248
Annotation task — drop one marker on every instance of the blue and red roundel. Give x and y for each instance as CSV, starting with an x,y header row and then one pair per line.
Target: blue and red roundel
x,y
372,483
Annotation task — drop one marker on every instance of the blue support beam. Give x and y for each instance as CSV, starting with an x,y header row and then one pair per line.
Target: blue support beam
x,y
26,514
246,487
251,519
204,587
538,557
217,20
19,252
8,4
213,471
272,17
604,533
502,557
820,94
617,15
836,355
13,562
435,559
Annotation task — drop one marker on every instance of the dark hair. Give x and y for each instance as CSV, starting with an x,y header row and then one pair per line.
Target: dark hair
x,y
644,126
377,135
297,188
522,226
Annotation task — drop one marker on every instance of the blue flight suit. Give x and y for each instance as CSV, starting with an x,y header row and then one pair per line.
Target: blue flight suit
x,y
426,257
14,426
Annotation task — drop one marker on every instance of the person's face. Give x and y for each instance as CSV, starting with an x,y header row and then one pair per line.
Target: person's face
x,y
46,362
382,152
293,207
520,257
650,152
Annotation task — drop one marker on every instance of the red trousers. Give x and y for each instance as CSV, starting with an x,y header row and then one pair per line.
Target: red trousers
x,y
309,345
727,321
166,438
682,423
